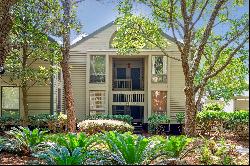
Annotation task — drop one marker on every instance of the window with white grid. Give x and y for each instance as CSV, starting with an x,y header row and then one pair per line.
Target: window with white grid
x,y
159,69
97,100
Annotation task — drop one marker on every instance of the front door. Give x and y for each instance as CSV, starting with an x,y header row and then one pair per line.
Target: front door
x,y
135,76
121,74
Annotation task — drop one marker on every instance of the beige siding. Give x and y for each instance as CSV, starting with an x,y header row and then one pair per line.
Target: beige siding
x,y
38,99
241,103
78,77
176,88
101,41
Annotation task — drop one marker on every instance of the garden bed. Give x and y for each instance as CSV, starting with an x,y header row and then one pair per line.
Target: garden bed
x,y
14,159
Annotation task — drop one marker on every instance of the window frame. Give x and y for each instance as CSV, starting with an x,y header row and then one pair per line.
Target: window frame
x,y
166,108
102,100
90,74
164,65
19,105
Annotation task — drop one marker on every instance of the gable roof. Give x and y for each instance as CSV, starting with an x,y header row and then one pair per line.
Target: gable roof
x,y
92,34
170,38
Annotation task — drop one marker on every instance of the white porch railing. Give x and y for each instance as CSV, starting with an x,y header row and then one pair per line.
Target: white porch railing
x,y
128,98
125,84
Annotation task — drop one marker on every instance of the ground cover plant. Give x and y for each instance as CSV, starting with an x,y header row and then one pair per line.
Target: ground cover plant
x,y
113,147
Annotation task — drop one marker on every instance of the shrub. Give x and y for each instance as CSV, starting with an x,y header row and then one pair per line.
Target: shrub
x,y
124,118
155,120
213,107
130,149
27,138
95,126
72,141
2,141
9,121
207,120
53,122
216,153
173,145
180,116
41,120
238,123
60,155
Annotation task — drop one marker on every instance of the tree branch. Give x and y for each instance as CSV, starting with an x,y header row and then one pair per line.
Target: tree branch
x,y
218,52
200,14
231,55
161,48
206,35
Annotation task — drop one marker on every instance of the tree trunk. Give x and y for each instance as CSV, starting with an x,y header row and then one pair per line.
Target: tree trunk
x,y
69,100
191,110
5,27
25,106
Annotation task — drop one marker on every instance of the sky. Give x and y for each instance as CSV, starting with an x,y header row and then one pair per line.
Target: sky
x,y
94,14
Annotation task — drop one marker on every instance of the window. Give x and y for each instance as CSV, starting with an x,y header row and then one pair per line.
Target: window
x,y
97,69
97,102
10,101
159,101
159,69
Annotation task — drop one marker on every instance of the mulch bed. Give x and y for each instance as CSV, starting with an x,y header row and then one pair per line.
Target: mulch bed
x,y
14,159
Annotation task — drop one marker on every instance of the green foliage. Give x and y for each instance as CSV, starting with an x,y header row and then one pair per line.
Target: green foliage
x,y
207,120
174,145
180,116
231,81
155,120
127,148
72,141
60,155
2,141
27,138
41,120
29,34
95,126
38,121
124,118
213,107
236,122
5,121
212,152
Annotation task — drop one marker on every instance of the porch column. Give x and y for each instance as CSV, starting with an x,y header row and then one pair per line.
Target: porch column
x,y
149,85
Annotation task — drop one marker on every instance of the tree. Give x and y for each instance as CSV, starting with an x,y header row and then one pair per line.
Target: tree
x,y
6,22
228,83
32,45
64,20
196,23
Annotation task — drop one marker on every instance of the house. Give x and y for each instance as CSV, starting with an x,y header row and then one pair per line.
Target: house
x,y
137,85
107,83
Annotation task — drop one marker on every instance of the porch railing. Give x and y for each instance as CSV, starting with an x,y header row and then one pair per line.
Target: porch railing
x,y
122,84
128,97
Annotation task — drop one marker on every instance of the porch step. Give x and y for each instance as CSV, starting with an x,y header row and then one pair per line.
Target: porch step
x,y
137,128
